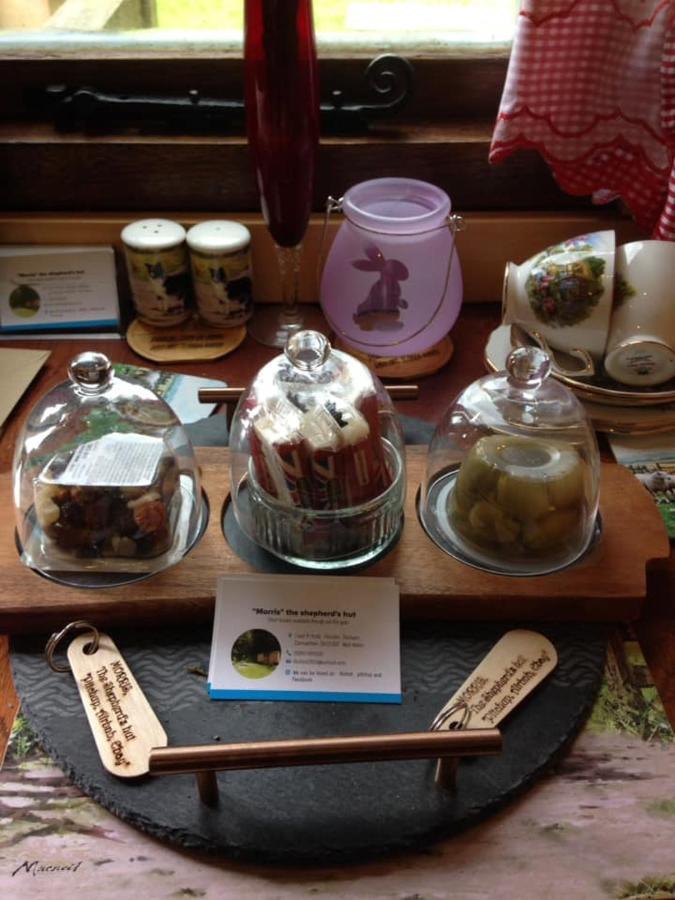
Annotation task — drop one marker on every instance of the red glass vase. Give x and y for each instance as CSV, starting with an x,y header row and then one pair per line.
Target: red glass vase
x,y
282,120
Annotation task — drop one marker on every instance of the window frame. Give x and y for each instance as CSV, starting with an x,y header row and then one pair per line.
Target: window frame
x,y
442,135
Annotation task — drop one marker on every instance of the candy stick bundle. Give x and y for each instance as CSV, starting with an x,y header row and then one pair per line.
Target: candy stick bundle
x,y
319,452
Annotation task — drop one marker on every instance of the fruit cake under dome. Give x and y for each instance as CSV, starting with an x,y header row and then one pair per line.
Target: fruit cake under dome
x,y
106,484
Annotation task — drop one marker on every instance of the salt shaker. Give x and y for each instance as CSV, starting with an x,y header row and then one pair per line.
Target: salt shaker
x,y
157,263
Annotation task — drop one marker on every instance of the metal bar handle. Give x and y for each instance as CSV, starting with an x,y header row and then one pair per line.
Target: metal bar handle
x,y
232,394
324,751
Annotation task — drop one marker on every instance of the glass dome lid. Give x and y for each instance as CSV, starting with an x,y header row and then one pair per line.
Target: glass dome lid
x,y
106,484
317,458
512,476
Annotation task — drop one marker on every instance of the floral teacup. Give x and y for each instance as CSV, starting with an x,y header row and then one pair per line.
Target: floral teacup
x,y
641,341
563,295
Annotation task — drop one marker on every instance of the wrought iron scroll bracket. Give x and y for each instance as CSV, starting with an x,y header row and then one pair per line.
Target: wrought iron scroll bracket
x,y
389,80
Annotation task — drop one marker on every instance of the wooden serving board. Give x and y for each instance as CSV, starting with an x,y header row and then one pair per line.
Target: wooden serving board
x,y
608,584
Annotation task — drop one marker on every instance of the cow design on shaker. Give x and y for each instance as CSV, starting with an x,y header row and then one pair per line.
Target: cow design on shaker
x,y
170,290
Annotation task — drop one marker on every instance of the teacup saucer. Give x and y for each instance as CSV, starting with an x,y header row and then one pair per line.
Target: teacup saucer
x,y
640,412
598,388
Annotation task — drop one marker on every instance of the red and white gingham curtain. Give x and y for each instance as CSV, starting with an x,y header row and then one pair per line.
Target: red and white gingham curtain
x,y
591,87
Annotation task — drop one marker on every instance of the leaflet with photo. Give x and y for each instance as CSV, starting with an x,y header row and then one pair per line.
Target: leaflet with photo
x,y
305,637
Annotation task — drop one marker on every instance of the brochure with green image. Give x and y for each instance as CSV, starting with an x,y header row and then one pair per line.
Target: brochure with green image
x,y
651,458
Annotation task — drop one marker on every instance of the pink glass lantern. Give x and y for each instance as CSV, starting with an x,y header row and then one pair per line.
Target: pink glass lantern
x,y
392,282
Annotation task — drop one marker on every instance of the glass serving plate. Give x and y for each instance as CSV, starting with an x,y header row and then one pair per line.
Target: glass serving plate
x,y
442,532
512,476
105,480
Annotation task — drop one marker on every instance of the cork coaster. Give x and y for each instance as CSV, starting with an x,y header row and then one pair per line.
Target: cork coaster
x,y
188,341
414,365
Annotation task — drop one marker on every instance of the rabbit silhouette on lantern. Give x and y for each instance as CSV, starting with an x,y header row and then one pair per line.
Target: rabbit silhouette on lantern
x,y
381,308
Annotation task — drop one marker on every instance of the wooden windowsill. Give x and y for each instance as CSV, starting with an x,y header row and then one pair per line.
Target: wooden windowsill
x,y
488,242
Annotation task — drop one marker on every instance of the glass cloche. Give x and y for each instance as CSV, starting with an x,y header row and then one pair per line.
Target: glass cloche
x,y
513,472
317,458
106,485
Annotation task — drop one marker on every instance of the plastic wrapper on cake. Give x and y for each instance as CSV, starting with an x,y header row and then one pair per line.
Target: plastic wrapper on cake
x,y
116,496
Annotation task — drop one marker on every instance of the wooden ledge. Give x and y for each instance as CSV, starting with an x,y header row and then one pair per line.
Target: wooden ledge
x,y
608,584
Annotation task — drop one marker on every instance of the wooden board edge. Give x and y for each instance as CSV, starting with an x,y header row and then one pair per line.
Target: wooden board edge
x,y
178,595
9,699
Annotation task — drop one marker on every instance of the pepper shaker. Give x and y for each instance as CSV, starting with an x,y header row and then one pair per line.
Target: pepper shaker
x,y
221,272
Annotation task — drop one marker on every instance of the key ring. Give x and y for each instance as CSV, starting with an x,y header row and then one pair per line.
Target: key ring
x,y
444,715
58,636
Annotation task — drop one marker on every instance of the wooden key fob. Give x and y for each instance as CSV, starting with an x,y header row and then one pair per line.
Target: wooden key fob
x,y
517,663
122,721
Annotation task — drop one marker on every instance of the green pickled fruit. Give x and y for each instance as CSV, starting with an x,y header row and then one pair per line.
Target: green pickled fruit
x,y
488,522
569,489
457,509
535,476
461,501
557,528
478,477
524,498
519,493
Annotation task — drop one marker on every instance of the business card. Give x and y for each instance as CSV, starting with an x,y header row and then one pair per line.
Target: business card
x,y
306,637
56,288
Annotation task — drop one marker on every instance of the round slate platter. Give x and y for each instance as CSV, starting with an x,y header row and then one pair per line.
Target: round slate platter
x,y
320,814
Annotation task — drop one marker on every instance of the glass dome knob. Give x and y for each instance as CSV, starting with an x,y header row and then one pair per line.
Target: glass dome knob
x,y
528,367
90,370
307,350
